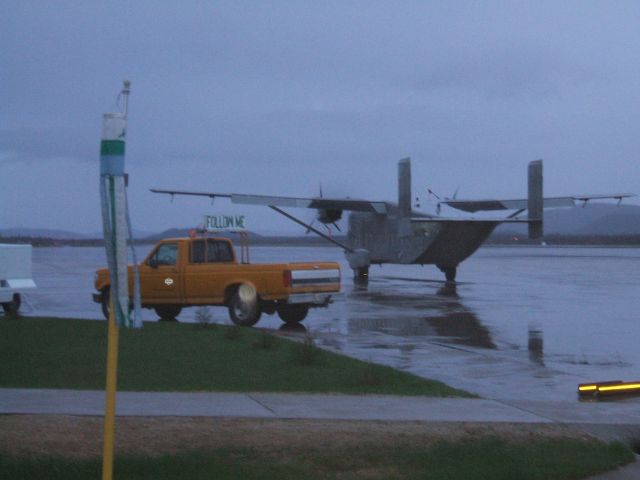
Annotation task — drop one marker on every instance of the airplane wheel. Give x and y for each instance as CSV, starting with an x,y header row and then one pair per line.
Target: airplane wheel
x,y
361,272
361,275
292,313
449,272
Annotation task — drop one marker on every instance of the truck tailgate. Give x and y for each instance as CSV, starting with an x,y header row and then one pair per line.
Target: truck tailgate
x,y
306,277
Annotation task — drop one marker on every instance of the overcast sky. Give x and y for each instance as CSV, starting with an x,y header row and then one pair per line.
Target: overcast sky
x,y
280,97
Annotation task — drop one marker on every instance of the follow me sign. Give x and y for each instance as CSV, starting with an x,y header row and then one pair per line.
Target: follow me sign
x,y
224,222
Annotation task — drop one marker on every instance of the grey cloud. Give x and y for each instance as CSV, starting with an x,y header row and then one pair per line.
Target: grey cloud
x,y
242,94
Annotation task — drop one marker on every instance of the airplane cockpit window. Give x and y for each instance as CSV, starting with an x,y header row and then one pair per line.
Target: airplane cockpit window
x,y
167,254
197,251
218,251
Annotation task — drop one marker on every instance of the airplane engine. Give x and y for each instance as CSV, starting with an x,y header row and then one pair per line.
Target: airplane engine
x,y
326,215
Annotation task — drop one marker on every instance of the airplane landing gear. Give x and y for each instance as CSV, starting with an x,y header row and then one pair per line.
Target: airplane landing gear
x,y
359,260
449,272
361,275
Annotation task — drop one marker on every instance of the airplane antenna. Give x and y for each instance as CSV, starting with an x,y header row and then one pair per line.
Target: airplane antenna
x,y
455,194
431,192
126,89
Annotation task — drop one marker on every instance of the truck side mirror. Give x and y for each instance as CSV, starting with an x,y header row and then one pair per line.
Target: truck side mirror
x,y
153,263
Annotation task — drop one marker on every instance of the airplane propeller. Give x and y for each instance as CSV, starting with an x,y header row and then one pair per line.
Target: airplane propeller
x,y
326,216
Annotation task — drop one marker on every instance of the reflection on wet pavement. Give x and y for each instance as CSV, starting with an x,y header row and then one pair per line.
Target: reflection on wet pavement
x,y
523,323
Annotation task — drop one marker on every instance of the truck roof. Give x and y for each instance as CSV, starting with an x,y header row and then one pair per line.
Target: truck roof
x,y
188,239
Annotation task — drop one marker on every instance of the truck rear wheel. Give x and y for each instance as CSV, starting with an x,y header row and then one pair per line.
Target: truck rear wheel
x,y
12,307
168,313
294,313
243,313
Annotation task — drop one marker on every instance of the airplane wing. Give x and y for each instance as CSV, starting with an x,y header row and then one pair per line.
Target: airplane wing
x,y
522,203
468,220
296,202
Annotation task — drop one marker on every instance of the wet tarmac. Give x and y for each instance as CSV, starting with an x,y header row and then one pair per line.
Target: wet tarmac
x,y
522,323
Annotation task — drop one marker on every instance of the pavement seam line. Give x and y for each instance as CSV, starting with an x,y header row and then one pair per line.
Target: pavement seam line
x,y
531,412
263,405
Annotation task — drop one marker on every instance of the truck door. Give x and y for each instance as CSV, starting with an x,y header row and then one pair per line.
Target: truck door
x,y
160,275
211,262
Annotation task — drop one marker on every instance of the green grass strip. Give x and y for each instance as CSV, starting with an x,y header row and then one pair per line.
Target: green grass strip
x,y
71,354
488,458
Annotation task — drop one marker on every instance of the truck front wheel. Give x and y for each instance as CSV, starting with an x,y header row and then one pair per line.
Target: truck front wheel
x,y
168,313
294,313
243,313
106,302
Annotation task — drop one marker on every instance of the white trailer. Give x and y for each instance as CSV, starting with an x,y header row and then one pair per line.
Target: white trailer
x,y
15,275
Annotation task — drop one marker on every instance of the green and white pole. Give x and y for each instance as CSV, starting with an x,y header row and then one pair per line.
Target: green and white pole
x,y
115,223
116,228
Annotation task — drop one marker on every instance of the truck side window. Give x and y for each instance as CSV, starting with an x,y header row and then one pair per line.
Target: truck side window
x,y
197,251
218,251
167,254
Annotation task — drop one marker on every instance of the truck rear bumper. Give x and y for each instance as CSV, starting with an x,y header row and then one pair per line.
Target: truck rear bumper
x,y
315,299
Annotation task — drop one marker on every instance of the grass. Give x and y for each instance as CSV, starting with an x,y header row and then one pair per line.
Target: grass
x,y
71,354
487,458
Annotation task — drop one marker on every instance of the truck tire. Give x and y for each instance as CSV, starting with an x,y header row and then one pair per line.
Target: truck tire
x,y
293,313
168,313
12,307
106,302
243,314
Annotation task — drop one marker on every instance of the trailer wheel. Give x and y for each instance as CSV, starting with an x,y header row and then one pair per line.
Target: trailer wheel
x,y
168,313
242,313
12,307
293,313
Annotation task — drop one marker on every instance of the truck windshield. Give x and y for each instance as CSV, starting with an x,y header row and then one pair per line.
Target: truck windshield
x,y
167,254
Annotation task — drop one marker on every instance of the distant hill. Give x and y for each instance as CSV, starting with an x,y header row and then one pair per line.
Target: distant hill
x,y
577,224
184,232
44,233
594,219
54,234
254,238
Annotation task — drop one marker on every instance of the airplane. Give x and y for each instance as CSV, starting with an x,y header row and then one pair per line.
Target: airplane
x,y
384,232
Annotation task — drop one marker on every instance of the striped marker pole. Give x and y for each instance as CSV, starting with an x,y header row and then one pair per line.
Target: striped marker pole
x,y
113,200
116,229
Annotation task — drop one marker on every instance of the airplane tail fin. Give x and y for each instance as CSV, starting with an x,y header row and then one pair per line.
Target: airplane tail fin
x,y
535,200
404,187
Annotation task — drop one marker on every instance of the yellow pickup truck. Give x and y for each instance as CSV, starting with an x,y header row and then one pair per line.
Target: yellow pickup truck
x,y
185,272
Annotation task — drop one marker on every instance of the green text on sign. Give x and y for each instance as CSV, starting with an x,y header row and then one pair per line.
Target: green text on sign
x,y
224,222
